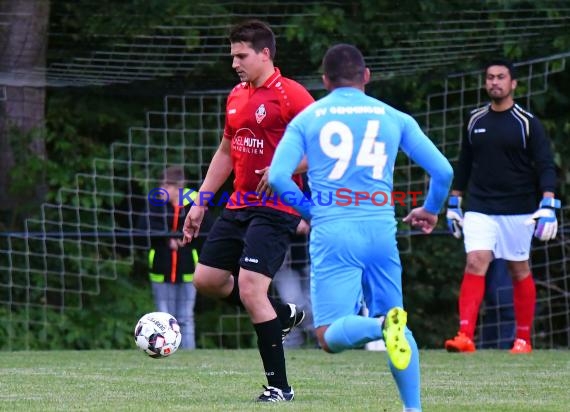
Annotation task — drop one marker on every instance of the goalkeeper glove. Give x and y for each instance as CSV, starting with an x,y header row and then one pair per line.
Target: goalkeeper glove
x,y
454,216
545,219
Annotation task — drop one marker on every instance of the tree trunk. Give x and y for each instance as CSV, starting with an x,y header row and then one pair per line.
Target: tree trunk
x,y
23,45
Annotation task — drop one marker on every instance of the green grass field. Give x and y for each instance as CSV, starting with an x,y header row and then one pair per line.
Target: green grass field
x,y
218,380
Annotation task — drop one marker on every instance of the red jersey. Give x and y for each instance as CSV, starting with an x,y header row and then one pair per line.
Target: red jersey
x,y
256,119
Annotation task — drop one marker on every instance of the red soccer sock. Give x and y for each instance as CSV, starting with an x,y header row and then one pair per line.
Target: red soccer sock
x,y
524,299
470,298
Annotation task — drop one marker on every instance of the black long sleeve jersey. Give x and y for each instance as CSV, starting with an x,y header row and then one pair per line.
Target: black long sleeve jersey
x,y
505,162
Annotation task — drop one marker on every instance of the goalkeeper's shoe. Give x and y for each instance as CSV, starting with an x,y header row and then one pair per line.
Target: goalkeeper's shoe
x,y
460,343
521,346
273,394
297,316
397,345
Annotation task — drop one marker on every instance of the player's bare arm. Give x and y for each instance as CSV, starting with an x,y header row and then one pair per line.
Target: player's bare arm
x,y
303,228
219,170
192,223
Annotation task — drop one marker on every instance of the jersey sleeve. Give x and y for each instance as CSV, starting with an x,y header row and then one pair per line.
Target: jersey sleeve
x,y
229,132
463,165
288,155
423,152
541,153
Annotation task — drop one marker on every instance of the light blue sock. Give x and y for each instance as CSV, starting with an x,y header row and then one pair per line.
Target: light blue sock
x,y
351,332
408,380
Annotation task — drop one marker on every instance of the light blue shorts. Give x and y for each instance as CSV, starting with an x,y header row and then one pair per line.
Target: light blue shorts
x,y
352,262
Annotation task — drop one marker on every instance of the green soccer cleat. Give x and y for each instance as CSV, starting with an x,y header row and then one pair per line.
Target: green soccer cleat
x,y
397,345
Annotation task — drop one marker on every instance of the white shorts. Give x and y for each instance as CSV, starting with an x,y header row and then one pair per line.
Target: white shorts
x,y
506,236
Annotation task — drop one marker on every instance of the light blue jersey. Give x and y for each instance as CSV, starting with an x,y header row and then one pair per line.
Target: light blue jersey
x,y
351,141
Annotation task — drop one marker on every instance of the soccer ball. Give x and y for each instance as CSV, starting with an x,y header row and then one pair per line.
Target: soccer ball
x,y
158,334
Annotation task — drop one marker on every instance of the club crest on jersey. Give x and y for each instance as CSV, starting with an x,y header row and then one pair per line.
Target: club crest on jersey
x,y
260,113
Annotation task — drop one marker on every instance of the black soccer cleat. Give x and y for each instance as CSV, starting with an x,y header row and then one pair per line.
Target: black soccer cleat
x,y
294,320
272,394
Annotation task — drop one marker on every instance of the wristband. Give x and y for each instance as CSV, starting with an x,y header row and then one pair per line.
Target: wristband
x,y
550,203
454,202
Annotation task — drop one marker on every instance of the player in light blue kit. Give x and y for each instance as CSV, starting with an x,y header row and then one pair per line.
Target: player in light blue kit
x,y
351,141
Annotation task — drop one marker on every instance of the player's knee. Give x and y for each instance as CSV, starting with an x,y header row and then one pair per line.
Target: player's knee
x,y
200,281
248,297
477,263
519,270
209,282
320,335
253,288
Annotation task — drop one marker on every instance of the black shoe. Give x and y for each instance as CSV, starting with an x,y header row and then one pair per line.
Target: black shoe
x,y
272,394
294,320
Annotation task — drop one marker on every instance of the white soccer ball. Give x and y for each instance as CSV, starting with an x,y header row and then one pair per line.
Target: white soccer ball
x,y
158,334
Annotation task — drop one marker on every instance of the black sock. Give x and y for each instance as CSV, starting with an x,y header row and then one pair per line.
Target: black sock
x,y
282,309
233,298
272,353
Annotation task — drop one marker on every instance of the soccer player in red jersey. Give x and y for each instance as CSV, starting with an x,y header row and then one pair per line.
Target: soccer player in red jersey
x,y
252,232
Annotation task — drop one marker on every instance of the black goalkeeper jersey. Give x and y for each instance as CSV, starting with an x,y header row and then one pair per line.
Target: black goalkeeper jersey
x,y
505,162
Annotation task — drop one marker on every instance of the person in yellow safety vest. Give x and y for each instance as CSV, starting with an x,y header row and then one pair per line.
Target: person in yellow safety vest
x,y
171,264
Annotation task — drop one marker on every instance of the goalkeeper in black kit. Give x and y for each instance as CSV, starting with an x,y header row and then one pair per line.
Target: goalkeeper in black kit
x,y
505,168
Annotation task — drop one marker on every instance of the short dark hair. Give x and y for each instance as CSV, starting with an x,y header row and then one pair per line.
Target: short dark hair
x,y
502,62
343,64
173,175
255,32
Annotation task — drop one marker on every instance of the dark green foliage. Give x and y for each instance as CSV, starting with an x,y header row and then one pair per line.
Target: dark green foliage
x,y
431,277
104,321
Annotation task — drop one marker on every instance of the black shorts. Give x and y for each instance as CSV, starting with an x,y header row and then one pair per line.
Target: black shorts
x,y
254,238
